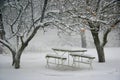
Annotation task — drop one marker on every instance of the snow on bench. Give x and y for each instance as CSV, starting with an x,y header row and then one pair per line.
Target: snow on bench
x,y
60,59
55,56
77,56
82,55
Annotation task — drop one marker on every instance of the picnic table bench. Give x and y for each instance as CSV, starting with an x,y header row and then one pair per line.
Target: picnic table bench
x,y
76,59
59,60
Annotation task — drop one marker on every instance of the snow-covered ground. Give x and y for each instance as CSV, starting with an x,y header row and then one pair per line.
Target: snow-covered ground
x,y
33,67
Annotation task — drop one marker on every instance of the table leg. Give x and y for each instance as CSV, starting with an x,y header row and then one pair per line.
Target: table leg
x,y
68,58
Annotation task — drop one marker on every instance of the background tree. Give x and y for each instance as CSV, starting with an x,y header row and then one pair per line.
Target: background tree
x,y
99,16
83,38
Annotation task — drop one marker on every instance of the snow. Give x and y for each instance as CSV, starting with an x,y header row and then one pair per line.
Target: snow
x,y
33,67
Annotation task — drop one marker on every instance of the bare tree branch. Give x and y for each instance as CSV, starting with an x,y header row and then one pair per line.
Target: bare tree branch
x,y
108,31
7,45
18,16
43,11
108,5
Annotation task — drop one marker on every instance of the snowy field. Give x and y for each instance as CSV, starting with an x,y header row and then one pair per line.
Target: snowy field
x,y
33,67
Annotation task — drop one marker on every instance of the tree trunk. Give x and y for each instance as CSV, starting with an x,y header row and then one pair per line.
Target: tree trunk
x,y
17,62
2,32
83,39
99,48
17,58
95,33
13,58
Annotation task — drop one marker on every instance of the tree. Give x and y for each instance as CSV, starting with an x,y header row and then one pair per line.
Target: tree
x,y
96,25
99,16
21,25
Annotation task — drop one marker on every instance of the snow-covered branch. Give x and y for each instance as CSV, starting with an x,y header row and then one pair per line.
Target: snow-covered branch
x,y
94,19
108,5
19,16
6,44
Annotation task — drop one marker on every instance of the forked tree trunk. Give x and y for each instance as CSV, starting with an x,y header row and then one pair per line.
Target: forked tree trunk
x,y
99,48
16,60
18,55
95,33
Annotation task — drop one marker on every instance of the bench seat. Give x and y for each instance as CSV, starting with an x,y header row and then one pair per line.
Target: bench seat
x,y
59,60
55,56
82,55
76,59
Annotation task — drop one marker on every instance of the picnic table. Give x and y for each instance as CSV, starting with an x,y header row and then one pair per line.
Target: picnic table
x,y
68,51
78,56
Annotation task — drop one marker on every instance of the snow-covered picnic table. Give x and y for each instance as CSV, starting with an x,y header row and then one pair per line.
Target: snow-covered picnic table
x,y
58,51
76,54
